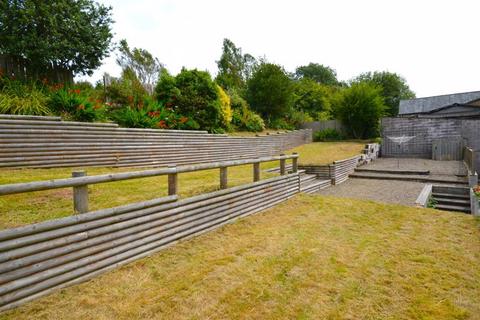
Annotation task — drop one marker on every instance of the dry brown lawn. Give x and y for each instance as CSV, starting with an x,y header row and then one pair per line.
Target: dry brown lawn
x,y
312,257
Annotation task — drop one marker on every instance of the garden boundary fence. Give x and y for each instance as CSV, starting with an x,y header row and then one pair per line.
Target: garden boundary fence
x,y
50,143
19,69
40,258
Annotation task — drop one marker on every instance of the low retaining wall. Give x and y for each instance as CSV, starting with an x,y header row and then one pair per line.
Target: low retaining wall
x,y
339,170
38,142
39,258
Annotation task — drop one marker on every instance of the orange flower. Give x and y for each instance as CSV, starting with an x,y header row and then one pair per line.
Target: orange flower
x,y
162,124
183,119
81,107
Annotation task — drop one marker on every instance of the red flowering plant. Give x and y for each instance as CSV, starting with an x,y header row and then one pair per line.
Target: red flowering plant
x,y
151,114
73,103
476,190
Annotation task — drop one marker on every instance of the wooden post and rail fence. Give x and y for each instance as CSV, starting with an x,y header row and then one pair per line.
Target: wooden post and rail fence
x,y
80,180
40,258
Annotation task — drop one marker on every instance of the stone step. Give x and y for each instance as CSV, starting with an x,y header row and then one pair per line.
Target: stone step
x,y
416,178
453,208
394,171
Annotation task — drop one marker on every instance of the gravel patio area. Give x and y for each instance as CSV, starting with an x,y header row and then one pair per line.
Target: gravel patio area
x,y
388,191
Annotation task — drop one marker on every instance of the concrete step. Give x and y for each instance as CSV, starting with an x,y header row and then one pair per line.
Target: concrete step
x,y
454,190
416,178
394,171
451,196
453,208
315,185
455,202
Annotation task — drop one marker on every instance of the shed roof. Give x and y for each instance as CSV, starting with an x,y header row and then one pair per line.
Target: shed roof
x,y
427,104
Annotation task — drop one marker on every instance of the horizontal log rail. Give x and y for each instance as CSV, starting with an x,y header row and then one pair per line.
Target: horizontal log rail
x,y
80,181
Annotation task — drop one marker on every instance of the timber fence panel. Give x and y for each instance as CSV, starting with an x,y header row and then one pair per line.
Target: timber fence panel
x,y
40,258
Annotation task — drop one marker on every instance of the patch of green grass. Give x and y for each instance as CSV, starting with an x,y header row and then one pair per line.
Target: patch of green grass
x,y
311,257
320,153
26,208
31,207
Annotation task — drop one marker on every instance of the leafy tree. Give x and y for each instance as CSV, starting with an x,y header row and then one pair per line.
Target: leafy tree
x,y
269,91
71,34
394,88
312,98
234,67
194,95
146,67
317,72
360,108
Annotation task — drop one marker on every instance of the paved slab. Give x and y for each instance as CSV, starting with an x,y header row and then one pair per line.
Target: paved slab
x,y
435,167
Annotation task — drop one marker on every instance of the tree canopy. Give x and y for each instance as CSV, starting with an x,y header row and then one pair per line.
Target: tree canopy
x,y
360,107
269,91
394,88
71,34
234,67
146,67
317,72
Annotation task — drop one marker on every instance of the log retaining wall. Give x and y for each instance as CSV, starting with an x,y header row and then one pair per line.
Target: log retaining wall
x,y
38,142
38,259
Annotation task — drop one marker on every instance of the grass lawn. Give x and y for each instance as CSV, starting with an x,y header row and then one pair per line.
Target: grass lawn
x,y
311,257
26,208
319,153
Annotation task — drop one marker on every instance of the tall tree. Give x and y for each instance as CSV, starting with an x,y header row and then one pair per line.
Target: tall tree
x,y
71,34
317,72
234,68
269,91
312,98
394,88
360,108
146,67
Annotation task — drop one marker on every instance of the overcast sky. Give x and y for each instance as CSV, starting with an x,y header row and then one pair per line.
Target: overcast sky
x,y
435,45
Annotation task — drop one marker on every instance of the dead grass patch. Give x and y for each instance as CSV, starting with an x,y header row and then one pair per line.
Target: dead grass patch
x,y
311,257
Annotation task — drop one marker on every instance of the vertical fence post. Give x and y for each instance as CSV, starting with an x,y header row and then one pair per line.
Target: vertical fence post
x,y
294,164
223,177
80,194
172,182
282,165
256,171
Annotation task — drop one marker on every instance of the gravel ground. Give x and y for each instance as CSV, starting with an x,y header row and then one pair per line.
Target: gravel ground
x,y
398,192
435,167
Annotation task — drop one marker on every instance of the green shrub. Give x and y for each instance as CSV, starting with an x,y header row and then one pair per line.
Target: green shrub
x,y
72,104
152,115
360,108
126,91
193,94
281,124
19,98
243,118
296,118
328,135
